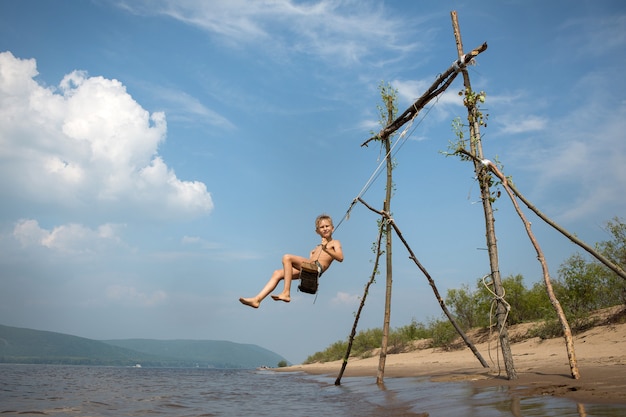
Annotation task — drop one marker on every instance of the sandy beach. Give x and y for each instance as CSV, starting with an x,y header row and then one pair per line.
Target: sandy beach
x,y
542,366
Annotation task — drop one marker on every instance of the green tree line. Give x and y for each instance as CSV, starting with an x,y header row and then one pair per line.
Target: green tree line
x,y
582,286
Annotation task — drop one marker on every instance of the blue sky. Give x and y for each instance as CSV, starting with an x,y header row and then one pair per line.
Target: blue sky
x,y
158,157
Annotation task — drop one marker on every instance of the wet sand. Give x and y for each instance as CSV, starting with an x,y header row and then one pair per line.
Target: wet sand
x,y
542,366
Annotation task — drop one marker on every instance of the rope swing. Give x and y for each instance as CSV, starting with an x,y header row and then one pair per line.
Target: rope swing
x,y
441,83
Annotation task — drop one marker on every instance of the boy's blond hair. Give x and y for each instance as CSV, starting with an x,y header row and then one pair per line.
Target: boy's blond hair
x,y
321,217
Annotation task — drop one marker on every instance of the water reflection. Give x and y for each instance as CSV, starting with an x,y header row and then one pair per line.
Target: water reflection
x,y
421,397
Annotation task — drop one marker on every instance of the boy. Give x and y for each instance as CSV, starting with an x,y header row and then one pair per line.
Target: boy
x,y
322,255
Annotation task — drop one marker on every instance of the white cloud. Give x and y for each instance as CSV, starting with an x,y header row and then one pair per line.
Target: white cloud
x,y
86,144
130,295
191,240
345,298
69,239
199,242
342,31
410,90
522,124
182,106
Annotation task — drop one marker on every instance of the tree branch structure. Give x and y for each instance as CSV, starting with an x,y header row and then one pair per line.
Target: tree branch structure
x,y
442,82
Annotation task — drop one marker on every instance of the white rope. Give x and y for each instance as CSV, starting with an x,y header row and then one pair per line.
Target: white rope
x,y
378,169
376,172
401,141
494,302
460,64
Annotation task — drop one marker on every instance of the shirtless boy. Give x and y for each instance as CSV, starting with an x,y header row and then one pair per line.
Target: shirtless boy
x,y
323,254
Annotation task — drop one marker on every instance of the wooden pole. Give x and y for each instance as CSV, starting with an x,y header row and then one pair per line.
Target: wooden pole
x,y
484,180
380,376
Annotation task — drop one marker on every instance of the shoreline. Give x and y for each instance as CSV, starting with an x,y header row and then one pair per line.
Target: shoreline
x,y
542,366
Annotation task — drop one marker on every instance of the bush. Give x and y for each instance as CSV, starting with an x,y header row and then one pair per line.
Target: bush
x,y
464,305
546,330
334,352
366,341
442,333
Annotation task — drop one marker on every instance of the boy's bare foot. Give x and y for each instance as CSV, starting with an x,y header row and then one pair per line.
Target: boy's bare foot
x,y
281,297
249,302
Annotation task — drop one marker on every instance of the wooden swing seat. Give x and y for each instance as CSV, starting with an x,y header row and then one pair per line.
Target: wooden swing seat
x,y
309,277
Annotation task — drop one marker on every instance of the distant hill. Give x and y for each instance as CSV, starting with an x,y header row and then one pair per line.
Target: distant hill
x,y
203,353
18,345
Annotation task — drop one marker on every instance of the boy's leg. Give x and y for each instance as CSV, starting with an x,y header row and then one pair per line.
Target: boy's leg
x,y
269,287
291,270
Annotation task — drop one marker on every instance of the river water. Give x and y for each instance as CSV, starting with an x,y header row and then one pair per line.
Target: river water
x,y
114,391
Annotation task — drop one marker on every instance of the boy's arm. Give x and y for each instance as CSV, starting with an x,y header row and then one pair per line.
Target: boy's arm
x,y
333,248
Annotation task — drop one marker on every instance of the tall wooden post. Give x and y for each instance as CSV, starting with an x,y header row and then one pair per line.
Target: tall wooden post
x,y
388,259
484,180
